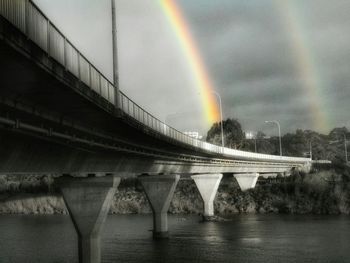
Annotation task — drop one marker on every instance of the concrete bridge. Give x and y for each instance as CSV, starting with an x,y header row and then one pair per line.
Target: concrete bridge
x,y
60,115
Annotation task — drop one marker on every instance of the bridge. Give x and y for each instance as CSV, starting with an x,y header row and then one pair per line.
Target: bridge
x,y
60,115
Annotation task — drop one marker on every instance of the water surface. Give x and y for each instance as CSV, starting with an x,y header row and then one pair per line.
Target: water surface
x,y
128,238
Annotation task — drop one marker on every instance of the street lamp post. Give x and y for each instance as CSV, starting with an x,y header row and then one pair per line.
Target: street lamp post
x,y
279,133
251,136
115,56
346,148
310,146
222,128
255,144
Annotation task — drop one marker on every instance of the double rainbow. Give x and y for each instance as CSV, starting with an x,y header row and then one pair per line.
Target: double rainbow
x,y
304,61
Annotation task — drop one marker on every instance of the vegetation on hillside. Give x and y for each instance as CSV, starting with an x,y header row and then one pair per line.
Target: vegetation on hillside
x,y
324,147
324,191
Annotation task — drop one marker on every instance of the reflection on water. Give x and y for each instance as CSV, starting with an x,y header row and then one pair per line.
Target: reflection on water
x,y
251,240
128,238
211,233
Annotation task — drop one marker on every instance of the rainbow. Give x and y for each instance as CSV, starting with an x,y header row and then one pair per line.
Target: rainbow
x,y
305,62
192,53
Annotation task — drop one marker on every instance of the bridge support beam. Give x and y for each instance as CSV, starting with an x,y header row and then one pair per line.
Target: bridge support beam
x,y
159,190
247,180
269,175
88,201
207,185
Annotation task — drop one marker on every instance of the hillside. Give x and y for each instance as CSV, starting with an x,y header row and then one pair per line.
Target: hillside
x,y
320,192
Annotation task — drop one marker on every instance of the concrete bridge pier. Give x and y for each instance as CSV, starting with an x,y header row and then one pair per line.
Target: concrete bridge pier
x,y
159,190
207,185
88,201
246,180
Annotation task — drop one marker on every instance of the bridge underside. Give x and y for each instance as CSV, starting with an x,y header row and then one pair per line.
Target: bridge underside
x,y
22,152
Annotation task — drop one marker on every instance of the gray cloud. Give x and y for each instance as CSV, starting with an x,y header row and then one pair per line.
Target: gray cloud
x,y
253,65
245,45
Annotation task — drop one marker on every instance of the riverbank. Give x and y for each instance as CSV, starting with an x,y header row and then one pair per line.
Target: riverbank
x,y
324,192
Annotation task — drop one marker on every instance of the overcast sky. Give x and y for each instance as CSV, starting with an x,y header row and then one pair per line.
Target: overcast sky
x,y
261,56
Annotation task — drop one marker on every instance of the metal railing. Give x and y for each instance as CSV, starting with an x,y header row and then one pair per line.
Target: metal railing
x,y
26,16
31,21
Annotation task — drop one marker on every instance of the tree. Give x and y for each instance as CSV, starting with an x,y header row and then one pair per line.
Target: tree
x,y
337,133
233,134
260,135
295,144
324,147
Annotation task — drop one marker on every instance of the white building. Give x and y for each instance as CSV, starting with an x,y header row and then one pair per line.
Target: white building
x,y
193,134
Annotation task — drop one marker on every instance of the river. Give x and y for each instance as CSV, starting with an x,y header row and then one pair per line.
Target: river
x,y
127,238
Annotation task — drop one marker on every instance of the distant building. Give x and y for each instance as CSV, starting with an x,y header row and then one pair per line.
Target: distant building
x,y
194,134
250,135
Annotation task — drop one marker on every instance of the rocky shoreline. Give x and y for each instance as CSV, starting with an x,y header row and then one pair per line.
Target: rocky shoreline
x,y
325,192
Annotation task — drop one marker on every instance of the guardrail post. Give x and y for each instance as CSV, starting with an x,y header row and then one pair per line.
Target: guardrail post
x,y
79,74
108,95
128,106
90,81
99,83
65,53
26,17
48,38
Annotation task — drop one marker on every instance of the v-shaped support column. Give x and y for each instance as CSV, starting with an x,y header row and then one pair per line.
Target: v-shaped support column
x,y
207,185
88,201
246,181
159,190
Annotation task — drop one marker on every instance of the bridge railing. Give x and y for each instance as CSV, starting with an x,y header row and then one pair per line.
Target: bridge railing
x,y
138,113
25,15
33,22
